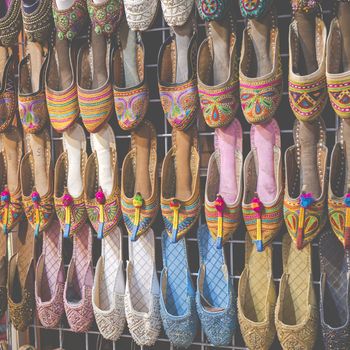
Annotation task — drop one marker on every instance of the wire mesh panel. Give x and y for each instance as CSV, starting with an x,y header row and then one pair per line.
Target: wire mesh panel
x,y
153,38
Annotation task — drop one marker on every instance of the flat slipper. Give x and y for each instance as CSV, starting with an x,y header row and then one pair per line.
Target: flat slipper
x,y
11,208
139,213
176,13
222,200
304,215
296,314
69,173
49,278
102,201
263,219
11,24
142,291
109,287
38,207
254,9
334,292
141,14
212,10
177,296
79,282
216,304
20,287
257,298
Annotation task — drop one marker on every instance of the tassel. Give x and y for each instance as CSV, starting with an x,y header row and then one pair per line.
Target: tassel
x,y
220,206
36,200
175,205
5,197
101,200
67,201
137,202
347,222
257,206
306,201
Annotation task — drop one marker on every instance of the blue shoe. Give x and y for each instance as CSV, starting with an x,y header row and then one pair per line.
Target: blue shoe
x,y
216,305
177,296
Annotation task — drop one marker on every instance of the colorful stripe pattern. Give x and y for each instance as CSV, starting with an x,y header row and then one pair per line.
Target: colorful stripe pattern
x,y
308,99
339,95
63,107
95,106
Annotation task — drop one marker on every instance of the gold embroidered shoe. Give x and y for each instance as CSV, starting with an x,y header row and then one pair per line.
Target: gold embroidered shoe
x,y
179,100
307,93
180,215
304,215
219,103
296,314
102,202
11,24
139,213
70,205
11,209
37,182
260,95
338,80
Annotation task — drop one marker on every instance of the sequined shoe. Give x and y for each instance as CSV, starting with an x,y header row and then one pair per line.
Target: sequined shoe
x,y
307,93
262,219
69,174
304,215
37,182
130,101
257,298
140,14
296,314
179,100
102,204
11,23
180,215
21,299
139,213
11,208
223,209
176,13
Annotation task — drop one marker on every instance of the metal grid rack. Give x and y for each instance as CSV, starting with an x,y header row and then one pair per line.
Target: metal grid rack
x,y
153,38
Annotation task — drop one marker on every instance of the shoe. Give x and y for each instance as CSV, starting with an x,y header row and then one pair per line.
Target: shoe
x,y
304,215
215,299
254,10
3,274
141,14
177,295
334,292
11,24
49,280
296,314
212,10
257,298
176,13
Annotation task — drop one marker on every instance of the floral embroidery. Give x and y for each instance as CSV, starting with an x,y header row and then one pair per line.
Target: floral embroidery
x,y
210,10
254,8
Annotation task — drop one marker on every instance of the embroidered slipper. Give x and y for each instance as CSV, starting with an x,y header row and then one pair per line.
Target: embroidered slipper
x,y
262,204
177,294
139,213
141,14
3,274
219,102
131,93
31,90
142,291
101,183
8,97
69,174
10,23
260,79
49,281
257,298
180,208
109,287
334,292
20,287
11,208
179,100
305,215
78,287
216,304
222,195
296,314
307,92
37,182
254,9
209,10
176,13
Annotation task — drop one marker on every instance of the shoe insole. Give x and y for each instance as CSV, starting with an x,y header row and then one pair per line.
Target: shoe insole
x,y
36,57
100,60
74,142
3,59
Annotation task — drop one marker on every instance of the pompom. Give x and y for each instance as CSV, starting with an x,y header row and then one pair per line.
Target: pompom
x,y
35,197
257,205
219,204
347,200
5,196
67,200
100,197
175,204
137,200
306,200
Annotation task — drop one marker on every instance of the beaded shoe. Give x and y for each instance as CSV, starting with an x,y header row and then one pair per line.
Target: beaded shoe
x,y
11,24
